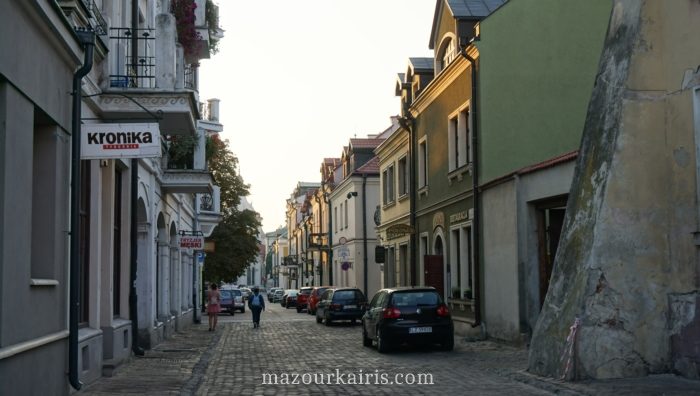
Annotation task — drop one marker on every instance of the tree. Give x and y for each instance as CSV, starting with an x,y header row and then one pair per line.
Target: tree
x,y
236,237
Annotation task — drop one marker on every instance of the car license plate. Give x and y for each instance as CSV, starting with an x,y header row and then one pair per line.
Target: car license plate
x,y
417,330
350,307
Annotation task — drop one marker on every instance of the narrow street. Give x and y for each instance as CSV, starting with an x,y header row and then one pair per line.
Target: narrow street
x,y
234,359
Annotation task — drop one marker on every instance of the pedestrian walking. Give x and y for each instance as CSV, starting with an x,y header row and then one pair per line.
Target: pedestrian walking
x,y
213,306
256,303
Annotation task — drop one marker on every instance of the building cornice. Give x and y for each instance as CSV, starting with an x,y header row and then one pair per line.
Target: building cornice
x,y
443,80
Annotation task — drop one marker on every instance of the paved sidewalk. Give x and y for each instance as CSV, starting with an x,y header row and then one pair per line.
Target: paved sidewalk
x,y
232,360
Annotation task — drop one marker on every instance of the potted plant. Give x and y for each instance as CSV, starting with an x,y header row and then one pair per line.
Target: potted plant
x,y
455,292
181,151
468,294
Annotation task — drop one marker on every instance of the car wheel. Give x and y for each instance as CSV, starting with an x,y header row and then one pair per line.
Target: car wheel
x,y
353,322
449,344
298,310
232,312
382,344
318,319
366,341
328,320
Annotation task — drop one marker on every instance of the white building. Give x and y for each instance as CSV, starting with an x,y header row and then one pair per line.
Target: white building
x,y
157,87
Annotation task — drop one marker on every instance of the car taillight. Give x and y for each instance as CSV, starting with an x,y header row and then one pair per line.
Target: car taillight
x,y
391,313
334,307
443,311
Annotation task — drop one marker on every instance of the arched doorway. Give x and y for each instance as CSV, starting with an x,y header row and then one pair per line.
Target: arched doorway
x,y
174,273
434,266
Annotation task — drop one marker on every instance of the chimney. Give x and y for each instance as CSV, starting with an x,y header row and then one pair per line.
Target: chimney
x,y
213,109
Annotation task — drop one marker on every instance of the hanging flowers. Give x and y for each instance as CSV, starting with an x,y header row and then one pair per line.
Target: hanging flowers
x,y
187,34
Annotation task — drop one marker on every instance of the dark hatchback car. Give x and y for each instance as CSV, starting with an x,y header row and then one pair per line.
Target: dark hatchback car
x,y
412,315
347,303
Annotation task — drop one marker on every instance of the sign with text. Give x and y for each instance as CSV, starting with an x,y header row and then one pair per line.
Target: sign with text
x,y
103,141
195,242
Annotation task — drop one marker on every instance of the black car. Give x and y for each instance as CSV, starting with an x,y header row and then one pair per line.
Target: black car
x,y
347,303
407,315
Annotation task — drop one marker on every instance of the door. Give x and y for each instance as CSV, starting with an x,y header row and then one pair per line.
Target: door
x,y
550,221
434,273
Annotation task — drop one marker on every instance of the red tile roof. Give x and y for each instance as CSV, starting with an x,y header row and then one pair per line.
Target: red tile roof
x,y
371,166
365,143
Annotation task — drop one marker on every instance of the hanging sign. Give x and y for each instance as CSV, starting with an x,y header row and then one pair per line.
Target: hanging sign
x,y
101,141
195,242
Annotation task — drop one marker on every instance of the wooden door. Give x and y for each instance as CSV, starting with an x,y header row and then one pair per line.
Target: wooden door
x,y
434,274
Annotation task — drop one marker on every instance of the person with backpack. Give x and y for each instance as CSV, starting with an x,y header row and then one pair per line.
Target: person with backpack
x,y
256,303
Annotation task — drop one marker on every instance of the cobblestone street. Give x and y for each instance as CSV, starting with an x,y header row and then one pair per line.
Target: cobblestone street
x,y
232,361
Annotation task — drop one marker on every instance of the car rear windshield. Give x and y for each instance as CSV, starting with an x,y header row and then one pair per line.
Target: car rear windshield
x,y
292,292
225,293
236,292
347,295
306,291
320,291
415,298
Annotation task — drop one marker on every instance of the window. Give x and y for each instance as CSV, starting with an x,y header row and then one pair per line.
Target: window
x,y
460,258
448,54
346,213
458,134
388,185
403,176
341,214
422,163
335,216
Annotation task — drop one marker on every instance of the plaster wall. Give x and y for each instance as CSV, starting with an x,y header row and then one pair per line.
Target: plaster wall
x,y
500,262
628,251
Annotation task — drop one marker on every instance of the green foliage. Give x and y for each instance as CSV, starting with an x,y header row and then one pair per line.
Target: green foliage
x,y
235,238
212,18
181,151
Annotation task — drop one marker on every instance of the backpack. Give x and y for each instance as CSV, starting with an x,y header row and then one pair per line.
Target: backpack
x,y
255,301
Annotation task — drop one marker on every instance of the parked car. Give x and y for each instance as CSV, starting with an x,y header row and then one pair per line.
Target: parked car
x,y
239,304
347,303
271,292
289,299
407,315
227,302
277,295
246,292
303,298
315,297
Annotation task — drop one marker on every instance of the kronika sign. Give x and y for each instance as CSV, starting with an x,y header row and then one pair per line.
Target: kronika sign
x,y
101,141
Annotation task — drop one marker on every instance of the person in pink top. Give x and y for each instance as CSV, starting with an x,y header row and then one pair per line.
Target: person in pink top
x,y
213,306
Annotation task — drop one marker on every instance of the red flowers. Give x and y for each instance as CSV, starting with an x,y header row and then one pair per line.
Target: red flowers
x,y
187,34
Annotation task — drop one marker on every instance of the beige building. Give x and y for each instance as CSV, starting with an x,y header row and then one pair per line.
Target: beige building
x,y
394,224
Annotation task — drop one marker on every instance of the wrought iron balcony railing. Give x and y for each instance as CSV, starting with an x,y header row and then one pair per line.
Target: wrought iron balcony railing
x,y
191,76
133,72
99,25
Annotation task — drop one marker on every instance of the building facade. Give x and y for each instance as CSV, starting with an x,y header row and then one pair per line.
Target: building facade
x,y
109,318
527,153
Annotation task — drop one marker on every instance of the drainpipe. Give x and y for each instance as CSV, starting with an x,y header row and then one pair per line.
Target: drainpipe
x,y
364,226
476,222
87,40
330,242
195,263
133,299
409,123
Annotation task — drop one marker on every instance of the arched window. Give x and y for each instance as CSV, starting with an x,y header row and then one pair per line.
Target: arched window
x,y
447,53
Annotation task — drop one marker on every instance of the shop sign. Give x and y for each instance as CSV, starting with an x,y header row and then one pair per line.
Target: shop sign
x,y
195,242
103,141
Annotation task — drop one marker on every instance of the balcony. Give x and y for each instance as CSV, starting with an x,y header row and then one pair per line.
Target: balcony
x,y
209,211
184,166
148,78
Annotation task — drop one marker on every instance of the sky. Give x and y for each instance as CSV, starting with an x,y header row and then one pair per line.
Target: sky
x,y
298,79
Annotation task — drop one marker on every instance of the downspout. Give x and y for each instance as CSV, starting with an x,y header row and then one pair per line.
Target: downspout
x,y
320,232
364,226
195,265
87,40
410,126
476,222
133,297
330,242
